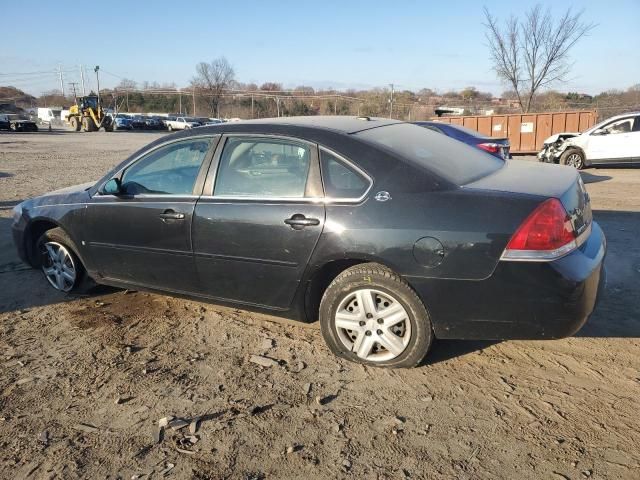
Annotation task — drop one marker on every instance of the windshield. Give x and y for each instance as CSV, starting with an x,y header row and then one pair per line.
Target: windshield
x,y
448,158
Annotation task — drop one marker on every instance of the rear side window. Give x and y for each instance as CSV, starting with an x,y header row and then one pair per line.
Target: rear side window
x,y
340,180
444,156
265,168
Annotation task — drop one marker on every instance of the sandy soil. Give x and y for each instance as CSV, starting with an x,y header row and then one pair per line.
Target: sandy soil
x,y
85,380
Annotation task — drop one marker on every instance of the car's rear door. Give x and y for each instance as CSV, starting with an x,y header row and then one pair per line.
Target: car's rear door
x,y
255,231
143,236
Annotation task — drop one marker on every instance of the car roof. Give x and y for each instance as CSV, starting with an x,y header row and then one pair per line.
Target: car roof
x,y
623,115
344,124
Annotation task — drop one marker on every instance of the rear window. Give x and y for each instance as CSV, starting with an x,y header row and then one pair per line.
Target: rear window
x,y
465,130
448,158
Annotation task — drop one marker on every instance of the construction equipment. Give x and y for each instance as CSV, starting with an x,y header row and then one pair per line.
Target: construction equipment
x,y
87,114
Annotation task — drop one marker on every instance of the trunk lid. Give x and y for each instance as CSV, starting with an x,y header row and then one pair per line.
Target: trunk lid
x,y
545,181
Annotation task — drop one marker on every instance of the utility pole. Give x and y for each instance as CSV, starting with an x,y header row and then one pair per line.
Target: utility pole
x,y
61,82
391,102
179,102
84,93
97,69
73,85
278,105
193,91
252,116
335,104
127,99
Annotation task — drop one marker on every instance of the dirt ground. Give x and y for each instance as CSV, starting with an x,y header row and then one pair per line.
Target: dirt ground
x,y
85,380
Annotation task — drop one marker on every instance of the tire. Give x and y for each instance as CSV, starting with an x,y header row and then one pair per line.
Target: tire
x,y
170,128
377,340
574,158
58,262
75,124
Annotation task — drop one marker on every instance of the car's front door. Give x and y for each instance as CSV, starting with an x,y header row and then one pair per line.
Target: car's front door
x,y
254,234
611,142
143,234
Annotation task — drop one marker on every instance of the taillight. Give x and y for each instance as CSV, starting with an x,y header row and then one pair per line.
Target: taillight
x,y
546,234
489,147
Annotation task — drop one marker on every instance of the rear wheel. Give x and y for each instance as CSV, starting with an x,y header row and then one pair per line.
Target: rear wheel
x,y
59,263
170,128
370,315
87,124
574,158
75,124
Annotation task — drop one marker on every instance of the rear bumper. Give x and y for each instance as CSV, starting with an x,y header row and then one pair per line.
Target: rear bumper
x,y
520,300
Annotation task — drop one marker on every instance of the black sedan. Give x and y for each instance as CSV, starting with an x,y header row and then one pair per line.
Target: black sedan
x,y
20,123
388,233
498,147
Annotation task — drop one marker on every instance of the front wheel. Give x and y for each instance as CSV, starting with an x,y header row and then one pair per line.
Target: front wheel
x,y
573,158
75,124
370,315
60,265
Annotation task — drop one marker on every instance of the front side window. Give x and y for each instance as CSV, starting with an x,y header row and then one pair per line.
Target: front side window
x,y
261,167
621,126
339,179
169,170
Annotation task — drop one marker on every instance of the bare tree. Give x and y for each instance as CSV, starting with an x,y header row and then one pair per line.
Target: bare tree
x,y
126,84
533,53
213,78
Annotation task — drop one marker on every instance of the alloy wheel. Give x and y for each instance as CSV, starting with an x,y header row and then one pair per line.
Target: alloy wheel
x,y
575,160
373,325
58,266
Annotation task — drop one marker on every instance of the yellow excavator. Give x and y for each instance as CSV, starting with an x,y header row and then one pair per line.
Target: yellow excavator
x,y
87,114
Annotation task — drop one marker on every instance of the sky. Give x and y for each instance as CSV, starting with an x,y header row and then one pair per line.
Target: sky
x,y
339,44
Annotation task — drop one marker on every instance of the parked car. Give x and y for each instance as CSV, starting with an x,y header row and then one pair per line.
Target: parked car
x,y
498,147
391,234
616,140
20,123
166,119
122,122
138,122
182,123
208,122
153,123
5,124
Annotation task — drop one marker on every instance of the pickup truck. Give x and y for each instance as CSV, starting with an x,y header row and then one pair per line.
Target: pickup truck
x,y
182,123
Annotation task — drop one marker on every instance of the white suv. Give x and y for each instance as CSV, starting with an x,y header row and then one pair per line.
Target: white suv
x,y
616,140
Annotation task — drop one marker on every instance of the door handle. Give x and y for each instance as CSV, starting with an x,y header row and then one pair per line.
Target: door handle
x,y
299,221
171,215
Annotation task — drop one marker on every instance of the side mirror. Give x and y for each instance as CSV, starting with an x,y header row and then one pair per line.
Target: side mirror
x,y
112,187
601,131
